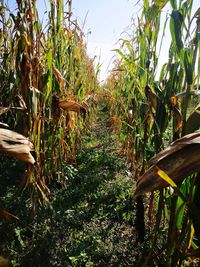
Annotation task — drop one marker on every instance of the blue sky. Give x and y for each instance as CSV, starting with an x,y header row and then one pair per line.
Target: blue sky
x,y
106,20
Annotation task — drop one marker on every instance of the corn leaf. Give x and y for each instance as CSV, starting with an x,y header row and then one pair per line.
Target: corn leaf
x,y
16,145
179,160
3,110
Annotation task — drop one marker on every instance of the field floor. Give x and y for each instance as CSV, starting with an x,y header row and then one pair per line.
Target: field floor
x,y
102,206
88,222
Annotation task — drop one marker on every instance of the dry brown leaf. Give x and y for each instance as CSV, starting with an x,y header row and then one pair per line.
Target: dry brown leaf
x,y
193,122
60,79
72,121
4,262
71,105
85,105
16,145
178,118
174,101
7,215
151,96
179,160
3,110
176,145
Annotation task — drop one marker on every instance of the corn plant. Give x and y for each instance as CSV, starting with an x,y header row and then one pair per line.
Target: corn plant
x,y
153,113
45,78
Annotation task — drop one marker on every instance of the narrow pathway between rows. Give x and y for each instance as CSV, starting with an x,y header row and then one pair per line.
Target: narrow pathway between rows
x,y
99,210
93,218
90,221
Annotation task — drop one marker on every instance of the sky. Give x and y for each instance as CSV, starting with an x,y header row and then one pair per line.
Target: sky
x,y
104,22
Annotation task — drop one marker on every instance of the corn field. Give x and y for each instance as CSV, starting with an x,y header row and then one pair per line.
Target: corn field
x,y
50,95
46,77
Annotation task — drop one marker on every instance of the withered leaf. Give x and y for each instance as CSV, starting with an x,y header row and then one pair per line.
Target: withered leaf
x,y
16,145
71,105
179,160
3,110
6,215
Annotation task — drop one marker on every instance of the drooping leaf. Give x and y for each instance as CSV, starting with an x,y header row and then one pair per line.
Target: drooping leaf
x,y
71,121
4,124
60,79
151,96
179,160
16,145
175,146
71,105
178,118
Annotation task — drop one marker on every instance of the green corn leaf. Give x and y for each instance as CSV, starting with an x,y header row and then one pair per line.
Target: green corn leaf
x,y
188,68
176,22
181,204
122,55
161,3
180,208
173,4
